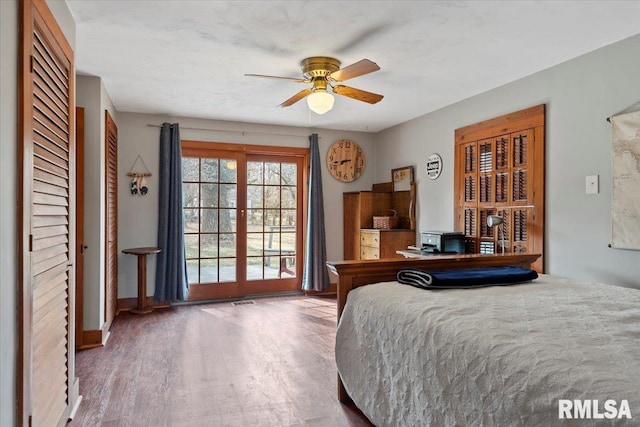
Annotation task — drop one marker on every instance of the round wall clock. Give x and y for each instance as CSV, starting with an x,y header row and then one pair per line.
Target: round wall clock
x,y
345,160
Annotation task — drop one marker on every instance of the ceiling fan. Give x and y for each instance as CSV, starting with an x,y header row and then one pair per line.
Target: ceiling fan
x,y
324,72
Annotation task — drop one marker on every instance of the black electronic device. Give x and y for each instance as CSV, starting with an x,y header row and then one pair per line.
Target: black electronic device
x,y
442,242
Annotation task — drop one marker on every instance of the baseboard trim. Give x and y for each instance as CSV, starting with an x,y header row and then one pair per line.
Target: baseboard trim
x,y
75,408
331,291
127,304
75,397
95,338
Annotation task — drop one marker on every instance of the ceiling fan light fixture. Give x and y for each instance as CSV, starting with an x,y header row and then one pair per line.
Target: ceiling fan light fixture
x,y
320,101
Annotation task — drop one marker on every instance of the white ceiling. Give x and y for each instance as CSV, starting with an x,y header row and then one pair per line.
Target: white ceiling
x,y
188,58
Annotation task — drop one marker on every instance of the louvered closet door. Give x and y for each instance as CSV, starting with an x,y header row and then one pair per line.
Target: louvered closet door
x,y
48,206
111,265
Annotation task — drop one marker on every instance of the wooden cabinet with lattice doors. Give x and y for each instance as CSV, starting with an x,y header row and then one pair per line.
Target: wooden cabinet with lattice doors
x,y
500,171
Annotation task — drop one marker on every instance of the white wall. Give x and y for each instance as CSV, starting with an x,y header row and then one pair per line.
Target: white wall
x,y
88,97
579,95
8,215
64,18
137,216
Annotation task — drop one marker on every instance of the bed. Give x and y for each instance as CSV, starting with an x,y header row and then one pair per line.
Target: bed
x,y
501,355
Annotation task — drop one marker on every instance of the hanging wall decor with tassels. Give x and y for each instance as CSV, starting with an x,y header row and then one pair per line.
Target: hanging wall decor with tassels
x,y
139,182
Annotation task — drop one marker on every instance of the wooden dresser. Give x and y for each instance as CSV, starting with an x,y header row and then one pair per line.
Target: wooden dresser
x,y
380,244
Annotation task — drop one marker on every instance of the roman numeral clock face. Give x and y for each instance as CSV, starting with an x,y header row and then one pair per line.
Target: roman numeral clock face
x,y
345,160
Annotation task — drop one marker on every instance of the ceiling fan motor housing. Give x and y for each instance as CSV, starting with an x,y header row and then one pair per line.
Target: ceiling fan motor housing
x,y
319,66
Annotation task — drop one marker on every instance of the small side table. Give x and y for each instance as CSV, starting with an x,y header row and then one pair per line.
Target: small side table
x,y
142,277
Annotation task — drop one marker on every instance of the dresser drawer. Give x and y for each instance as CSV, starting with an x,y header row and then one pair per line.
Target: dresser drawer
x,y
368,252
370,238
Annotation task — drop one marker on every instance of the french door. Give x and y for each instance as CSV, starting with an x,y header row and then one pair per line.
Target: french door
x,y
243,210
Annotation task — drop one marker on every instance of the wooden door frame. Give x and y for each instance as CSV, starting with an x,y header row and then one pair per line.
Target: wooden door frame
x,y
109,126
280,285
197,147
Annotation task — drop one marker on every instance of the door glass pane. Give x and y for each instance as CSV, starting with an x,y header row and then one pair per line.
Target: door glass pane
x,y
209,195
209,170
227,220
288,219
254,220
288,197
192,271
289,174
208,245
191,220
227,269
209,223
255,269
254,244
228,245
227,195
271,220
190,169
228,170
208,270
255,173
271,197
210,203
192,245
288,242
254,197
190,194
272,173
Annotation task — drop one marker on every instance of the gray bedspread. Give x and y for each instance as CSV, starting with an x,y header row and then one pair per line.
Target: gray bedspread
x,y
497,356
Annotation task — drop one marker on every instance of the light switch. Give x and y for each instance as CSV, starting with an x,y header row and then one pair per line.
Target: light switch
x,y
592,184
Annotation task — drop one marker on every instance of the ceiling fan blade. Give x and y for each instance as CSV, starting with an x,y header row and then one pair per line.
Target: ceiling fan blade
x,y
295,98
360,68
278,77
359,94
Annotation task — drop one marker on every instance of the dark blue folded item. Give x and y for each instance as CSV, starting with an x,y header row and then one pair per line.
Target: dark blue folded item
x,y
471,278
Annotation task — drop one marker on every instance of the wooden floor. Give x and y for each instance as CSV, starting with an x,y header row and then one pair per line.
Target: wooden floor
x,y
265,364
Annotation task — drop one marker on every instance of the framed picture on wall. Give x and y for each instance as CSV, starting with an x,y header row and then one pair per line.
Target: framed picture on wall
x,y
402,178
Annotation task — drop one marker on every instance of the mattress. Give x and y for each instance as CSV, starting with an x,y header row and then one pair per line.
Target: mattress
x,y
490,356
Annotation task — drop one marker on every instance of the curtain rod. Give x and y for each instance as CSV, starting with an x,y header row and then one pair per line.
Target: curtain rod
x,y
623,111
242,132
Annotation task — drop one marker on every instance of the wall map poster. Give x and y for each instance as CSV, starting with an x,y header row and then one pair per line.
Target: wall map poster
x,y
625,171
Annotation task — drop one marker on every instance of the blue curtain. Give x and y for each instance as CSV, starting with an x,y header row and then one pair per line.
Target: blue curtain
x,y
315,276
171,264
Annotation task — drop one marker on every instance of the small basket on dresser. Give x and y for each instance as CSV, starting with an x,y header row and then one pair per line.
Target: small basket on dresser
x,y
386,222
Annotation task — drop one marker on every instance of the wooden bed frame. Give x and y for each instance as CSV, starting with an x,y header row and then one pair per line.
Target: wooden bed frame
x,y
352,274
